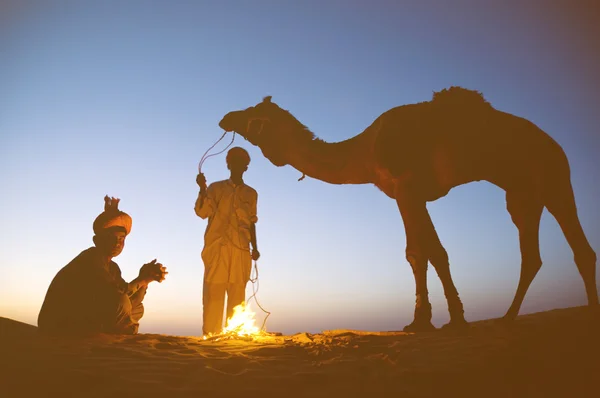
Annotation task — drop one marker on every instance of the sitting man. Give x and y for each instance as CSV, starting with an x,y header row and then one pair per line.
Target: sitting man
x,y
89,295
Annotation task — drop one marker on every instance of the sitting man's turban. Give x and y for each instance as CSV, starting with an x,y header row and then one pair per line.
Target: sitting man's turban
x,y
112,217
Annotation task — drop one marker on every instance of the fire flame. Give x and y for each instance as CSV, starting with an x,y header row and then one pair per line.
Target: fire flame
x,y
241,324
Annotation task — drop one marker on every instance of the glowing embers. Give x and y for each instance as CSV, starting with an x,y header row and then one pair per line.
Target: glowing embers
x,y
241,326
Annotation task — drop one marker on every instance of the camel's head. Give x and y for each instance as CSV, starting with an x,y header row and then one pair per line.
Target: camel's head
x,y
274,130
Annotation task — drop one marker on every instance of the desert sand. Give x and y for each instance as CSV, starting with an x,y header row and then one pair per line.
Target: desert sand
x,y
549,354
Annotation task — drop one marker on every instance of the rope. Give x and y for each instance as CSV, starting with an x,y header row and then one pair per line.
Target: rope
x,y
204,157
254,292
255,285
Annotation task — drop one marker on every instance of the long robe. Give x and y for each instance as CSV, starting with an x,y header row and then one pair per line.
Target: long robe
x,y
231,211
86,296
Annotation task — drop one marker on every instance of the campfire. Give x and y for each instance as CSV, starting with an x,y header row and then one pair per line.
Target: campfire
x,y
241,325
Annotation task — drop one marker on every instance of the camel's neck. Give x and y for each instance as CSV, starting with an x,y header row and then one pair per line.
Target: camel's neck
x,y
335,163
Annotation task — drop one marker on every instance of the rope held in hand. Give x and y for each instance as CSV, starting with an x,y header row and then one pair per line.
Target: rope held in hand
x,y
204,157
255,285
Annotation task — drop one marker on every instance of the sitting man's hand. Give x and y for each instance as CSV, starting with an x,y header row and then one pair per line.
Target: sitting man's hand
x,y
255,254
153,271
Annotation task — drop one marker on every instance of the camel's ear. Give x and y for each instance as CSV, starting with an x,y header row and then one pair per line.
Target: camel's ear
x,y
267,99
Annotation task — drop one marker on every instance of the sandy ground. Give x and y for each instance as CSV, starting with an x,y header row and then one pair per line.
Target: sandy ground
x,y
550,354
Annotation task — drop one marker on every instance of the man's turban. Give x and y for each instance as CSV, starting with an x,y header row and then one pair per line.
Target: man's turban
x,y
112,217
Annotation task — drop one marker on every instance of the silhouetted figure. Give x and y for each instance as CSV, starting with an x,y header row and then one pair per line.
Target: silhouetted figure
x,y
415,154
230,206
89,295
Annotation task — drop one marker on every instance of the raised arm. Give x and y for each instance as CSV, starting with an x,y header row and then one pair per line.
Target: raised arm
x,y
205,203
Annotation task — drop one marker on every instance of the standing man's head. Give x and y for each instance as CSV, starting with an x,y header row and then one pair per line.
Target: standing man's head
x,y
110,228
238,160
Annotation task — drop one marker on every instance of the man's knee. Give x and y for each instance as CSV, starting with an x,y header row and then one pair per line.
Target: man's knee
x,y
118,306
137,312
214,292
237,290
138,297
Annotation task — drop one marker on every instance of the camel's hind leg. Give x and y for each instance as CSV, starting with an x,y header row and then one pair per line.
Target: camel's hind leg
x,y
526,211
562,206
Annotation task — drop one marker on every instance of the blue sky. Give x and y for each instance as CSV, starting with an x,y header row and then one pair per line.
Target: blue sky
x,y
123,98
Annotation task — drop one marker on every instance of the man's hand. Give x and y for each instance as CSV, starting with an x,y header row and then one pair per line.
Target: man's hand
x,y
255,254
201,181
153,271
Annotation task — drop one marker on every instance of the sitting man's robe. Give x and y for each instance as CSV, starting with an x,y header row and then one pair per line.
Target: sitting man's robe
x,y
86,296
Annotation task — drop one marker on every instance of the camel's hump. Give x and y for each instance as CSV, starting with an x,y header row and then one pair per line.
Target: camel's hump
x,y
459,96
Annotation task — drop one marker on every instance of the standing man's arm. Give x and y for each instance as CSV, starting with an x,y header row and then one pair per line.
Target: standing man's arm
x,y
255,252
204,206
253,220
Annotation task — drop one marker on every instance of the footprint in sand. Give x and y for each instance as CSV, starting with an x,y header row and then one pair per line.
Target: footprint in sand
x,y
166,346
107,350
177,348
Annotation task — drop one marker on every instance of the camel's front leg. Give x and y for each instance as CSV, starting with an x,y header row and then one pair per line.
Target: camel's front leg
x,y
415,216
422,319
439,259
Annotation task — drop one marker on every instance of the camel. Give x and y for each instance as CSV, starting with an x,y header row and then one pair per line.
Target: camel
x,y
416,153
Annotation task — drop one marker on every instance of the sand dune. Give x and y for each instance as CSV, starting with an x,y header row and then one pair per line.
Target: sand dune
x,y
554,353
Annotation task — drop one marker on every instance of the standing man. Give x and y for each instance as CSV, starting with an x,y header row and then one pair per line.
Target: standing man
x,y
230,206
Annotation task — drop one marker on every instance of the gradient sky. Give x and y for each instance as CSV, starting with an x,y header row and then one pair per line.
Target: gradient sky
x,y
123,98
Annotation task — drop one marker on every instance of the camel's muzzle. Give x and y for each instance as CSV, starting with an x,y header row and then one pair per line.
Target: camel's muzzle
x,y
233,122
